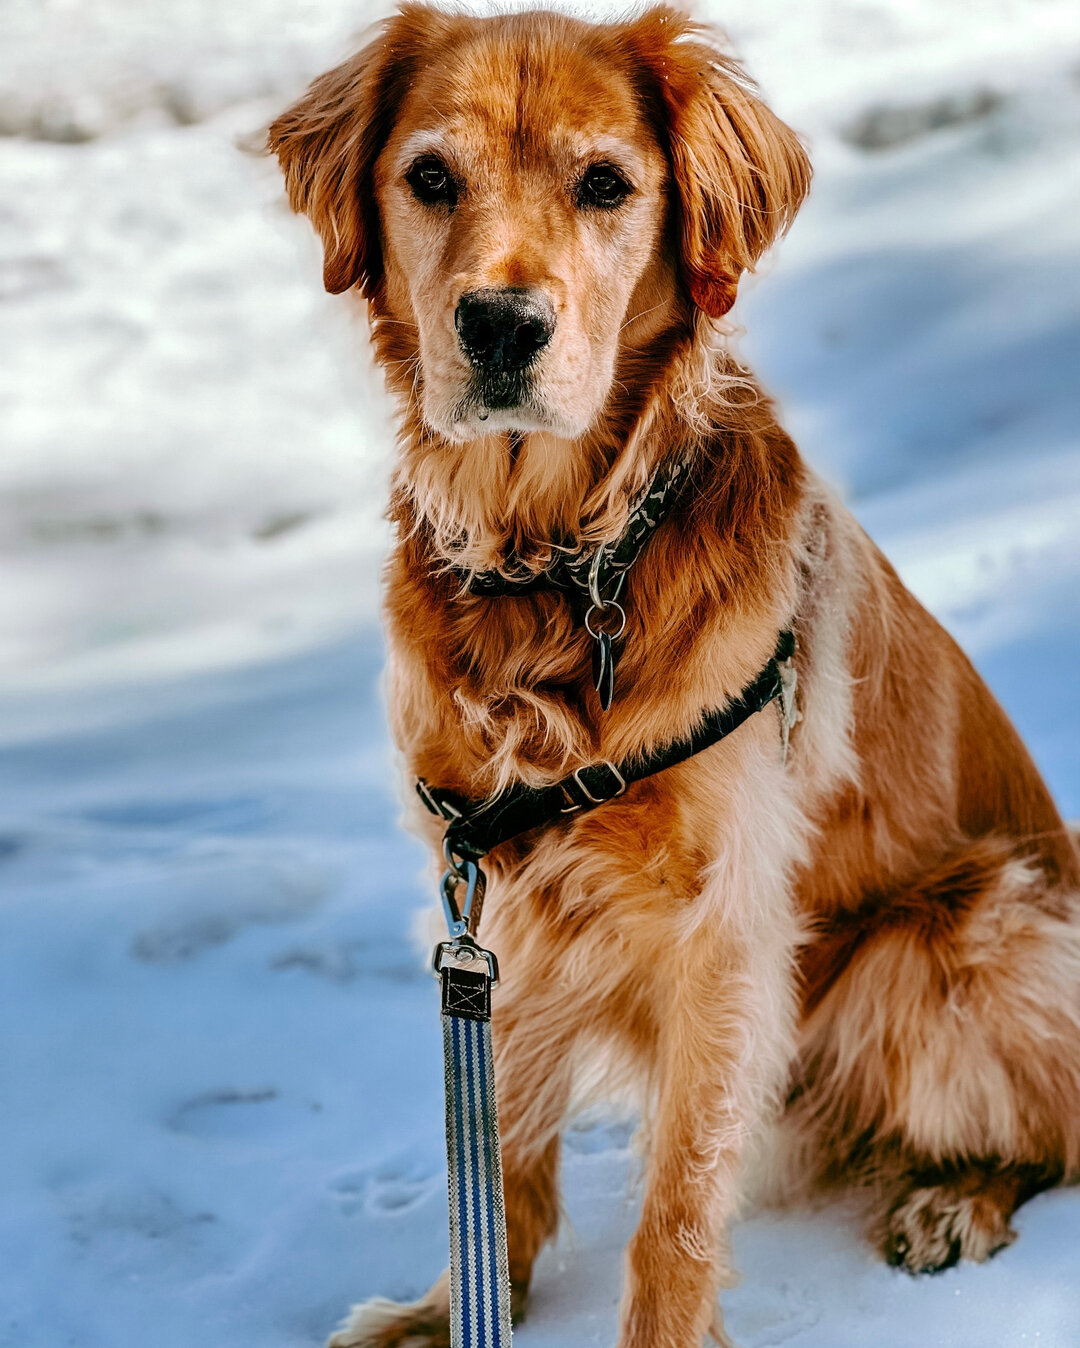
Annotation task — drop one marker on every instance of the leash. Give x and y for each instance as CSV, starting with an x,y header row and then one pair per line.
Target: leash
x,y
479,1270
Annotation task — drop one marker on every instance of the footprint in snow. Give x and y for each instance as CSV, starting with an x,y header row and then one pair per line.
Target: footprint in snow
x,y
151,1216
141,1233
347,961
387,1190
215,899
242,1115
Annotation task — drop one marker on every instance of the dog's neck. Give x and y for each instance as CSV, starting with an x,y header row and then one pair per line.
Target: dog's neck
x,y
515,677
509,502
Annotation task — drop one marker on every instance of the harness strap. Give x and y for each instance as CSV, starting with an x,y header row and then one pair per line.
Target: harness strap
x,y
475,827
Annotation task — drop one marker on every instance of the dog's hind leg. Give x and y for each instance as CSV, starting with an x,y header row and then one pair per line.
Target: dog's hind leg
x,y
959,1214
942,1063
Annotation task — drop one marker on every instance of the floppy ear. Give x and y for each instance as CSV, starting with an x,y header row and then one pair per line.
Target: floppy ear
x,y
740,172
328,142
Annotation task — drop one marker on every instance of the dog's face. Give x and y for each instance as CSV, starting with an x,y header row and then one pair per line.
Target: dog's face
x,y
524,196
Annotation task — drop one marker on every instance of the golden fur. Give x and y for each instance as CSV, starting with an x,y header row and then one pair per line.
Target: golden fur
x,y
876,943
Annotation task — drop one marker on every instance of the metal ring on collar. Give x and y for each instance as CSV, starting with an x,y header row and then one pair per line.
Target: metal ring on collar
x,y
602,608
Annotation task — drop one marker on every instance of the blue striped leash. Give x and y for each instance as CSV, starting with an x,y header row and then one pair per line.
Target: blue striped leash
x,y
479,1271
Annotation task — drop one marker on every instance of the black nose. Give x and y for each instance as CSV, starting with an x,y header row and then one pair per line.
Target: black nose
x,y
501,331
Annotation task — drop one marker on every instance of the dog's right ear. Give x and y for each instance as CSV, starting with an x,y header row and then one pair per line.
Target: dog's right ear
x,y
327,144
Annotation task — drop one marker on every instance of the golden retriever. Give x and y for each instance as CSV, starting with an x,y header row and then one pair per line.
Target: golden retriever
x,y
871,941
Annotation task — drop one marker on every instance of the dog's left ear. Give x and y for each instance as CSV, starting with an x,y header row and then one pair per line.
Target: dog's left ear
x,y
327,144
740,172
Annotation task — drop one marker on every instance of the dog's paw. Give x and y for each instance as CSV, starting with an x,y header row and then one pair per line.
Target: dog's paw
x,y
934,1227
389,1324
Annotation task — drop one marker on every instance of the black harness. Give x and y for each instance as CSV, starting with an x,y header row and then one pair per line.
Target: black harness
x,y
474,828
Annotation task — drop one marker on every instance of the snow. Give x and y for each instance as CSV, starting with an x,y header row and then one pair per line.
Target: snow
x,y
222,1102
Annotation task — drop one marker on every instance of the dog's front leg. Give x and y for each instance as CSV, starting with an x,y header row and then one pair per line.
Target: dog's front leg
x,y
720,1047
533,1049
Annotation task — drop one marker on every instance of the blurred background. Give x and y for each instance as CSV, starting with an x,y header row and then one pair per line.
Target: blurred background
x,y
220,1109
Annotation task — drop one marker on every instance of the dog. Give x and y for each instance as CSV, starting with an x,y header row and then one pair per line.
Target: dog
x,y
857,933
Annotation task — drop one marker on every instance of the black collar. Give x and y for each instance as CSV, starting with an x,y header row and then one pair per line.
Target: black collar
x,y
597,573
569,571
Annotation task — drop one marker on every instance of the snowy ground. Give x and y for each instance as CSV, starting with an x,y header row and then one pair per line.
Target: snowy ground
x,y
222,1093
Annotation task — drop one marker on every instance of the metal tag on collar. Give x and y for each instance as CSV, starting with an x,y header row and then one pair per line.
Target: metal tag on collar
x,y
603,670
605,657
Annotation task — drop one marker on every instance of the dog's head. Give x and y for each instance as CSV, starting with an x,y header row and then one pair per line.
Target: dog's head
x,y
528,195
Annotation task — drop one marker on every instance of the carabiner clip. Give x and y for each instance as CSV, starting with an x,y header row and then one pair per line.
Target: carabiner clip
x,y
463,919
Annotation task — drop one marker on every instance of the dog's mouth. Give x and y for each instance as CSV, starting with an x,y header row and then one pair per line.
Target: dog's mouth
x,y
499,392
503,402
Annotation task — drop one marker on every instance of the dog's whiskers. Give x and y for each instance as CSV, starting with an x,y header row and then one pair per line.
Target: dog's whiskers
x,y
644,314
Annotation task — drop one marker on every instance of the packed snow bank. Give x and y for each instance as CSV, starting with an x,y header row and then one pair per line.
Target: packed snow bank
x,y
196,445
194,437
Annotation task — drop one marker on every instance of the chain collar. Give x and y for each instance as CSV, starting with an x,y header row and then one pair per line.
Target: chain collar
x,y
571,571
597,573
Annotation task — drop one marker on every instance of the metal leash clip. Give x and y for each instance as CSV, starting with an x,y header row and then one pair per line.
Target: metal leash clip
x,y
462,951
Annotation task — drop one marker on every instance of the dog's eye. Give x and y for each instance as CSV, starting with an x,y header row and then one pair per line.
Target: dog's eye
x,y
431,182
604,186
